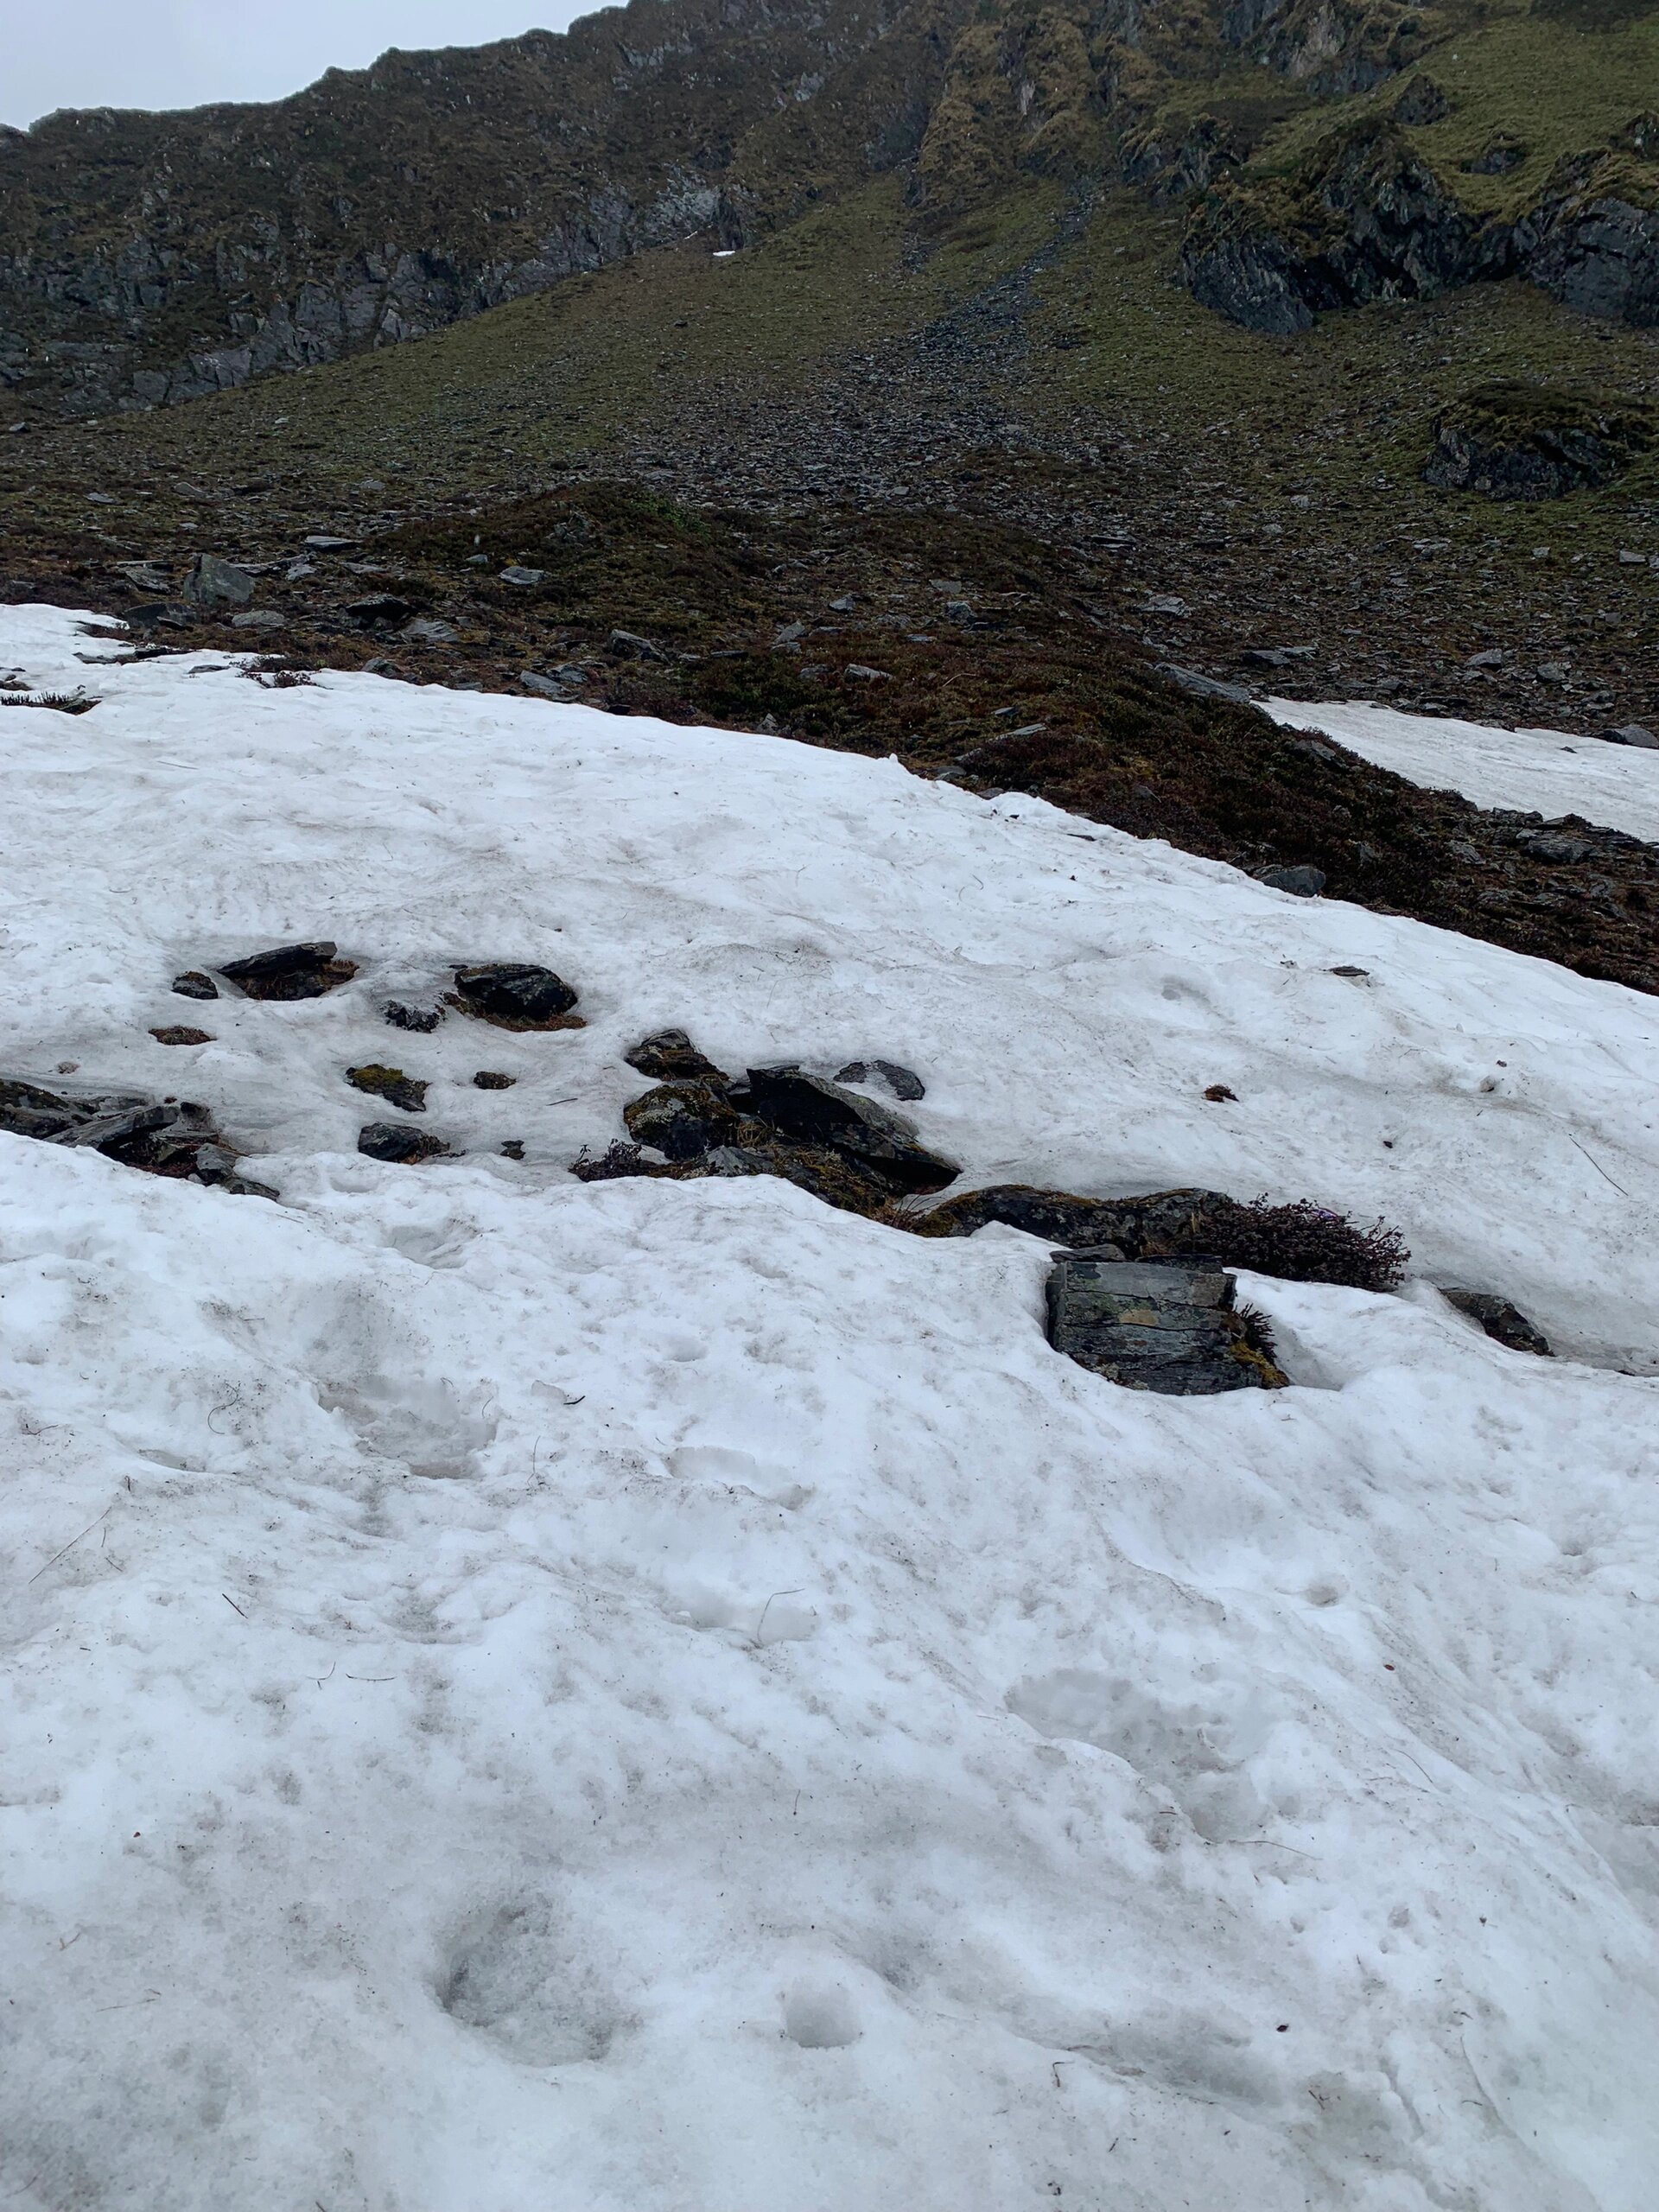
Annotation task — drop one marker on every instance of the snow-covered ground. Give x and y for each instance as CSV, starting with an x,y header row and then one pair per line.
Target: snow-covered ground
x,y
1535,771
666,1698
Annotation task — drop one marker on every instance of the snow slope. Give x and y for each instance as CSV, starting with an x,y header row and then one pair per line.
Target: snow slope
x,y
640,1695
1535,771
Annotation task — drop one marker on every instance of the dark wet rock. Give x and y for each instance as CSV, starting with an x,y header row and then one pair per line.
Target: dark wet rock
x,y
1514,440
1300,882
213,583
397,1143
1202,686
490,1080
404,1091
881,1143
28,1110
1637,734
170,613
515,994
291,971
1504,1323
1168,1328
422,1020
684,1121
514,1149
193,984
902,1081
180,1033
668,1056
378,606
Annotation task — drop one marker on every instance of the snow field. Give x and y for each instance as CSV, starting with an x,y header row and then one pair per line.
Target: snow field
x,y
526,1694
1533,770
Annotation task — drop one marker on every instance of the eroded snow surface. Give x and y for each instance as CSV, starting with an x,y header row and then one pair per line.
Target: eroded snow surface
x,y
638,1695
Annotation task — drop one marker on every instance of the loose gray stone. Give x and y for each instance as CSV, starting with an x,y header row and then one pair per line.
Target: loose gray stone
x,y
398,1143
526,579
1203,687
1300,882
544,686
428,630
259,617
213,582
1637,734
628,645
903,1082
193,984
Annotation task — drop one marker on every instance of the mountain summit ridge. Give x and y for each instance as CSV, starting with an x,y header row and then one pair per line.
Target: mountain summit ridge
x,y
1324,155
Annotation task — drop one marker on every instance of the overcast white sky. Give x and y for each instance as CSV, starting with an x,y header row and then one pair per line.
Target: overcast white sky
x,y
179,53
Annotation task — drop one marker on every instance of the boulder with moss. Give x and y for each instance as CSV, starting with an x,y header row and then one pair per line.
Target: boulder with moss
x,y
1510,439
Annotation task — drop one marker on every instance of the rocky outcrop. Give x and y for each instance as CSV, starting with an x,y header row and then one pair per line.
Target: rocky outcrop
x,y
168,1137
1367,219
1515,441
1593,242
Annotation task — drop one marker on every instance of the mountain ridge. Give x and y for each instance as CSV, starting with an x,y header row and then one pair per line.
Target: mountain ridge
x,y
1320,155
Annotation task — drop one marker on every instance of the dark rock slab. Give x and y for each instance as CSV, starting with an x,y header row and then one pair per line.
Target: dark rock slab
x,y
180,1033
1166,1327
1637,734
404,1092
291,971
193,984
378,606
904,1082
394,1142
828,1175
881,1143
668,1056
515,994
1202,686
492,1079
1504,1323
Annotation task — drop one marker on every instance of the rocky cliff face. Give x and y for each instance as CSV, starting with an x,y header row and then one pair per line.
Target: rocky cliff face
x,y
153,258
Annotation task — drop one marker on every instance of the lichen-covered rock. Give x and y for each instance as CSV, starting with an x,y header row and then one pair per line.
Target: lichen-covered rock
x,y
290,971
682,1121
1514,440
668,1056
515,994
405,1091
880,1142
1504,1323
1163,1327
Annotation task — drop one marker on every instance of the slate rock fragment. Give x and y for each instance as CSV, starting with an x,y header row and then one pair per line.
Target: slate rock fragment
x,y
668,1056
1300,882
180,1033
492,1079
213,582
904,1082
515,994
422,1020
167,1137
404,1092
881,1143
1168,1327
1504,1323
193,984
291,971
395,1142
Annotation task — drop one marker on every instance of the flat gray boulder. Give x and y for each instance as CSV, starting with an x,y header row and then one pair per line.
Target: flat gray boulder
x,y
1160,1327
